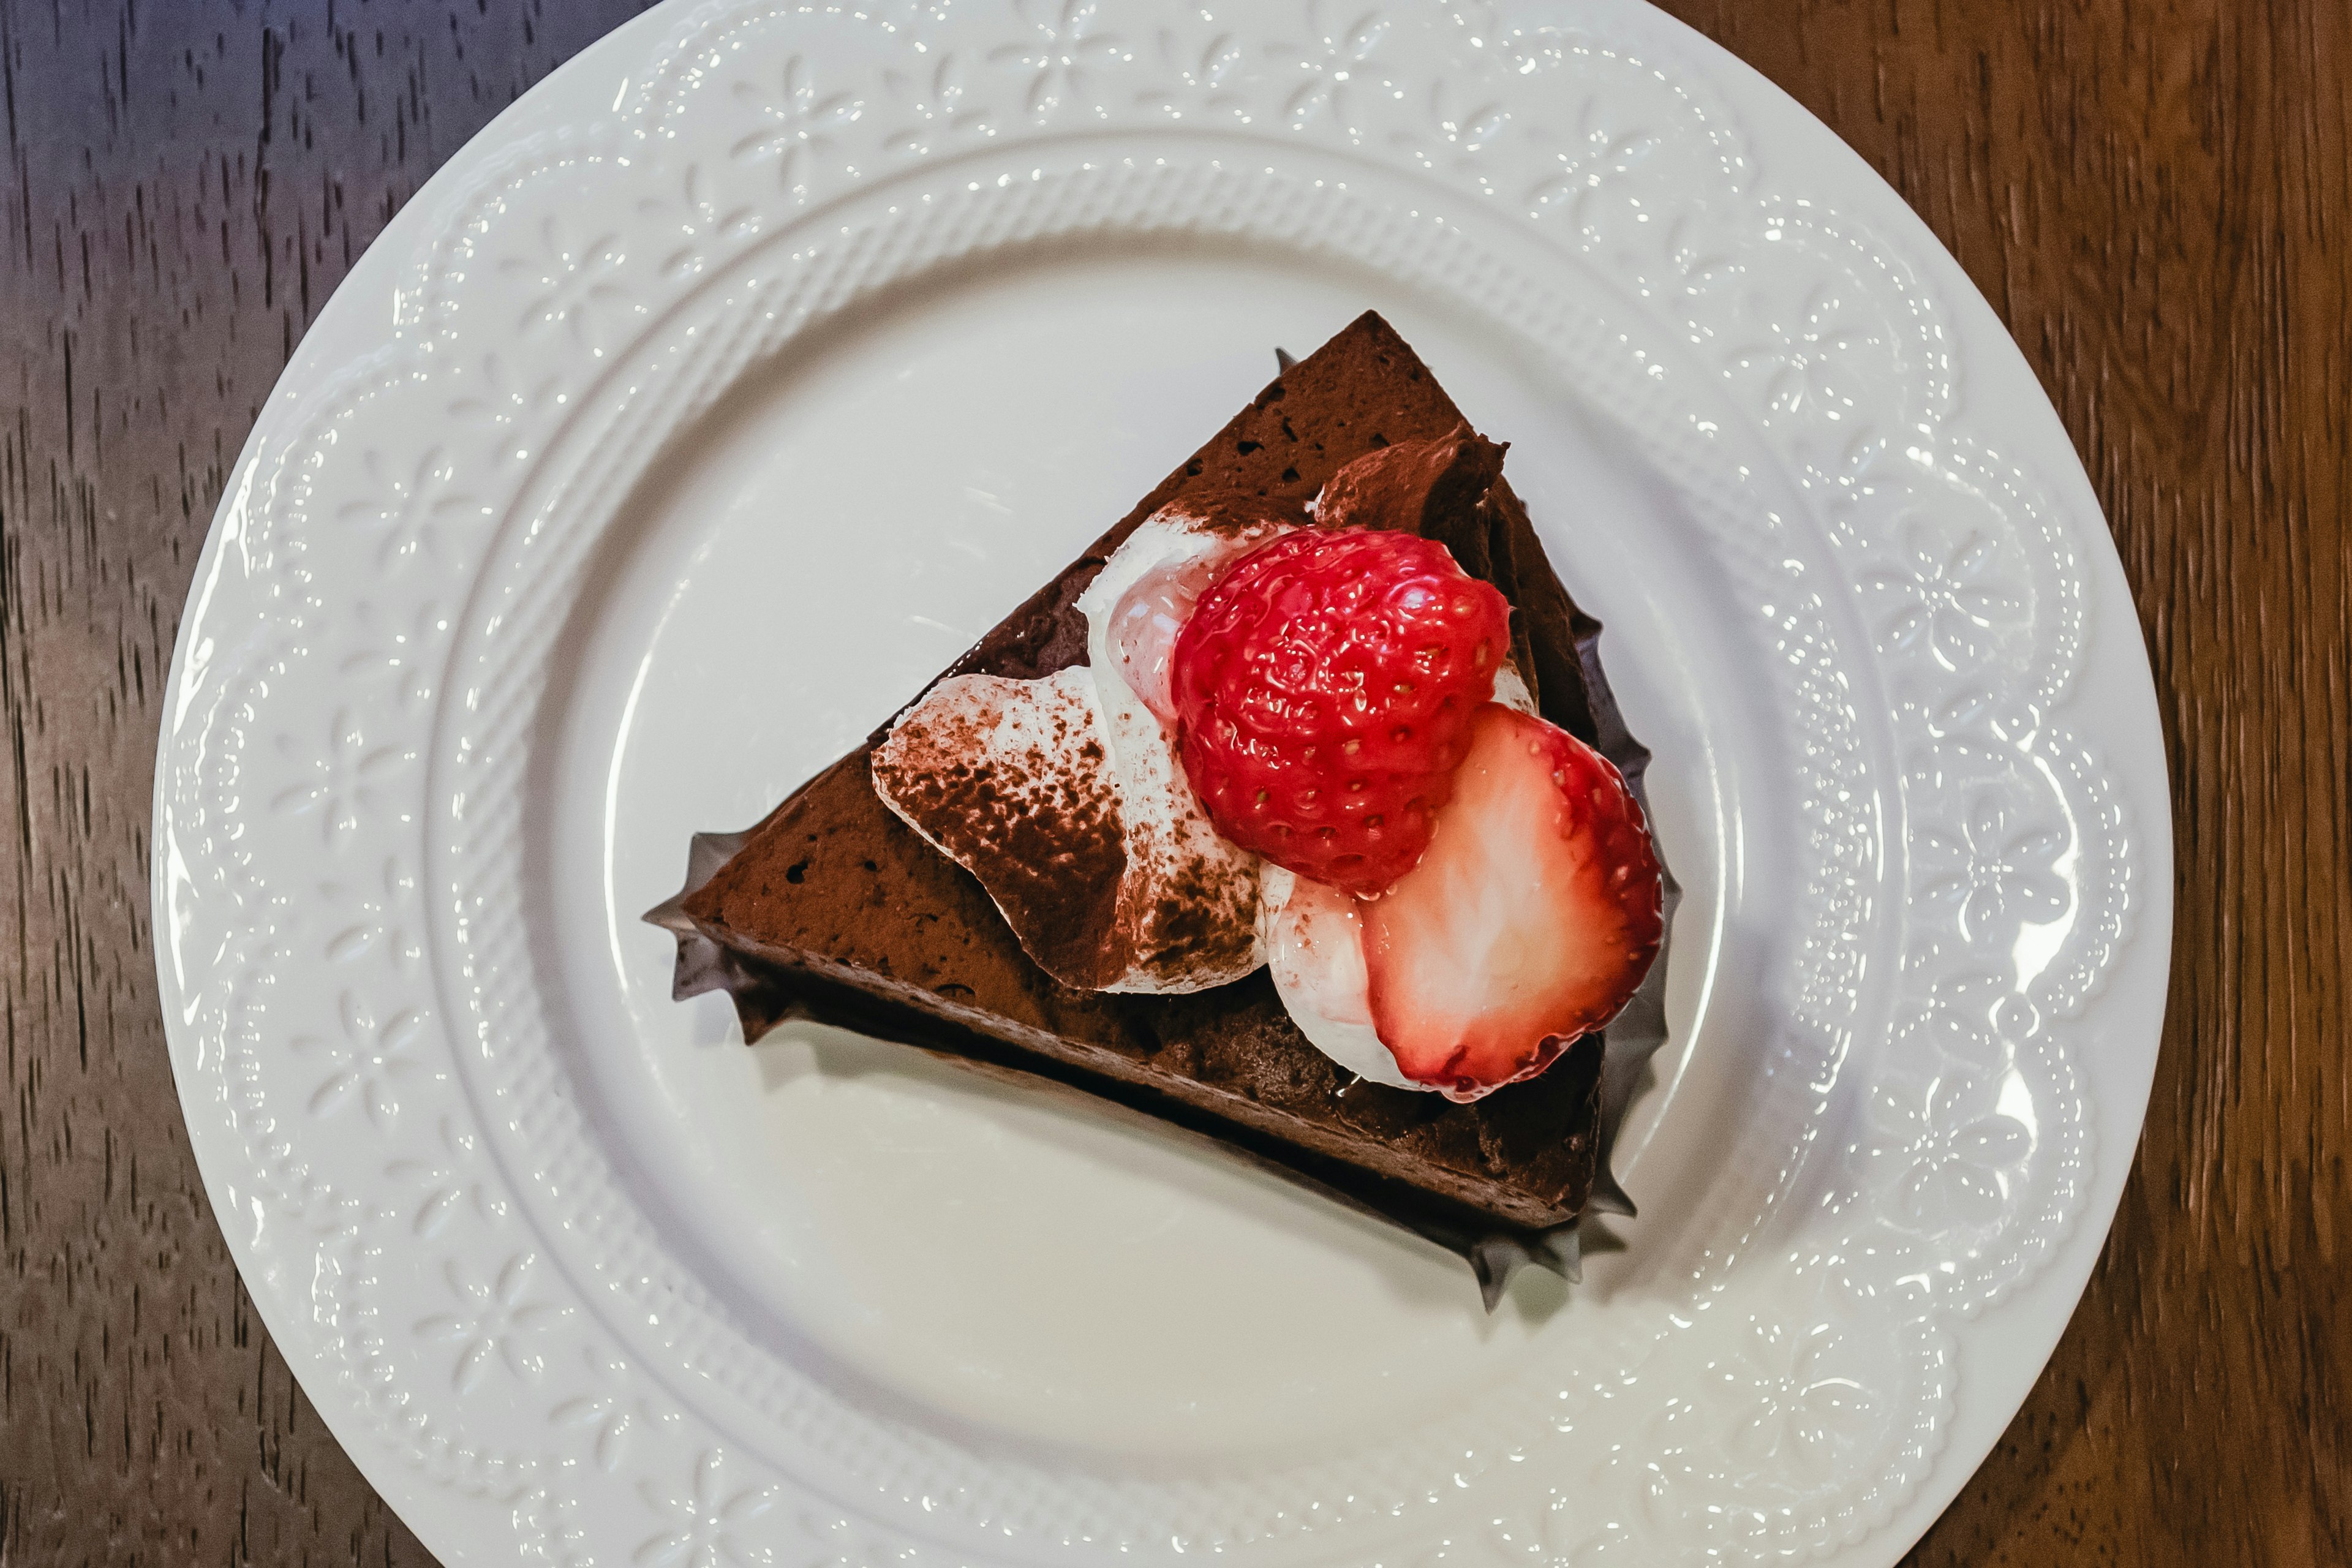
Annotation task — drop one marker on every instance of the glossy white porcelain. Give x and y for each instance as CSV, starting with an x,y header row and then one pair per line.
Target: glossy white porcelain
x,y
724,391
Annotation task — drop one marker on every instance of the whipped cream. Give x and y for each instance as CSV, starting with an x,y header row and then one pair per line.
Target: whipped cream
x,y
1314,937
1066,798
1139,603
1010,779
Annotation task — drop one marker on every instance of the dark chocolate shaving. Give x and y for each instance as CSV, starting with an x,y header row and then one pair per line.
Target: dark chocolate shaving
x,y
1435,489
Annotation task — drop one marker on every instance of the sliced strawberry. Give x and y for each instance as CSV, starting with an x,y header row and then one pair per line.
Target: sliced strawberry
x,y
1530,920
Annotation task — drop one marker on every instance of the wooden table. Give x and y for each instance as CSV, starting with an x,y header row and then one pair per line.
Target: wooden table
x,y
2153,193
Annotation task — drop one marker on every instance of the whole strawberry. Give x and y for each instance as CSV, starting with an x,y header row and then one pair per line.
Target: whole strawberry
x,y
1324,687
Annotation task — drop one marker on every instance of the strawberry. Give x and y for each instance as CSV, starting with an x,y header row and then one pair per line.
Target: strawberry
x,y
1146,621
1322,689
1530,922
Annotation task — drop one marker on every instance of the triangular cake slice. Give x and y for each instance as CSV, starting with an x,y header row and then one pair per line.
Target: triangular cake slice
x,y
834,909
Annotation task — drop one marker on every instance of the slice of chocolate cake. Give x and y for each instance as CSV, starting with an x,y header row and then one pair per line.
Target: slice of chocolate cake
x,y
835,908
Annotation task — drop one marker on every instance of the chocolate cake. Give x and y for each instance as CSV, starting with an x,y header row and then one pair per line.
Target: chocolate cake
x,y
834,909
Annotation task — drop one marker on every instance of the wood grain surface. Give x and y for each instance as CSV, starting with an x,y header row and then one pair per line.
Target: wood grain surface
x,y
2152,193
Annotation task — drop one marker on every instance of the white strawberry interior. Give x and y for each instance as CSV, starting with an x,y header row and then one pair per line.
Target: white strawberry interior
x,y
1518,931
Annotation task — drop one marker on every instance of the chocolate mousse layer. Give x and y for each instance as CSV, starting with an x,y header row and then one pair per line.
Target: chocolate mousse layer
x,y
834,909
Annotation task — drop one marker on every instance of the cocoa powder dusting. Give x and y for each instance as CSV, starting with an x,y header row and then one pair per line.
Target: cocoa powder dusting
x,y
969,770
1199,920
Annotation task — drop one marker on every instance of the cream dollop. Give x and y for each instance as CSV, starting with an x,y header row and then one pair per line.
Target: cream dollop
x,y
1009,778
1169,572
1314,938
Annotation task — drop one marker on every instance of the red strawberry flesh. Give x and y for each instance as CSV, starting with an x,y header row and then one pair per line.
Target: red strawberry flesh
x,y
1323,687
1529,921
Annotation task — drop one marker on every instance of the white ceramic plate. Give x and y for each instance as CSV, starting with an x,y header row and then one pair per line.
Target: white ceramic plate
x,y
722,391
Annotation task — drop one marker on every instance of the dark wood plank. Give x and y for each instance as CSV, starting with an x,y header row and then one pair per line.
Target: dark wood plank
x,y
2152,193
